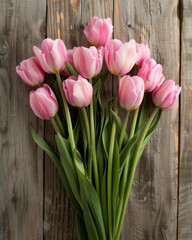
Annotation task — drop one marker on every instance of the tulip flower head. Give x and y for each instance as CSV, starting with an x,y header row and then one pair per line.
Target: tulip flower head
x,y
143,52
152,75
30,72
43,102
78,91
52,55
99,31
131,92
120,57
88,61
166,96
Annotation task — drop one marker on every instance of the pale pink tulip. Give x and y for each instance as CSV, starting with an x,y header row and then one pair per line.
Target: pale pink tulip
x,y
131,91
70,61
152,75
43,102
78,91
31,72
99,31
166,96
52,55
143,52
120,57
88,61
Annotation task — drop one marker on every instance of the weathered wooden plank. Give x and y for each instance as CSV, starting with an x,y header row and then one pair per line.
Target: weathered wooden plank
x,y
21,165
67,19
185,169
62,20
152,208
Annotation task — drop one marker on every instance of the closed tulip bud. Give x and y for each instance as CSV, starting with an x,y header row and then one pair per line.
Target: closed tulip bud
x,y
78,91
31,72
166,96
52,55
43,102
131,91
88,61
99,31
70,61
120,57
152,75
143,52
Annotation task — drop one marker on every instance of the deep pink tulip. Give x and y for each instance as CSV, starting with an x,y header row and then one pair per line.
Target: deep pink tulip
x,y
52,55
152,75
120,57
70,61
88,61
143,52
99,31
31,72
166,96
43,102
78,91
131,91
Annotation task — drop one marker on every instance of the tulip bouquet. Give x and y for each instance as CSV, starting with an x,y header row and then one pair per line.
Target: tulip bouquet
x,y
96,156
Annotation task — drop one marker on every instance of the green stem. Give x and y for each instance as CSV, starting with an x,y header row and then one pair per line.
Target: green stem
x,y
95,169
84,113
125,172
60,125
109,171
132,170
123,129
55,126
67,113
86,121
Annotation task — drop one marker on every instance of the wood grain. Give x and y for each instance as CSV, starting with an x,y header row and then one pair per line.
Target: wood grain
x,y
21,164
152,208
185,169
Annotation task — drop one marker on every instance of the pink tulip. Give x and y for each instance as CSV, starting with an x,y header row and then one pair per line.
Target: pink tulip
x,y
120,57
43,102
131,91
143,52
88,61
70,61
99,31
151,72
52,55
166,96
78,91
30,72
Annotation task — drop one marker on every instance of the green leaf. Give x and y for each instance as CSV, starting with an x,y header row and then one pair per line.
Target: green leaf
x,y
71,69
89,223
100,158
79,162
68,165
115,180
81,228
144,113
104,200
119,124
94,205
41,142
126,151
150,131
84,135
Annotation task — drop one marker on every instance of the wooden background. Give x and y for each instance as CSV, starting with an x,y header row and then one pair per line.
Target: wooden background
x,y
33,204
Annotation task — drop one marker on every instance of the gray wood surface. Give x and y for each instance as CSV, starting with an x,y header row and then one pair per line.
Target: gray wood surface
x,y
185,168
21,161
33,203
